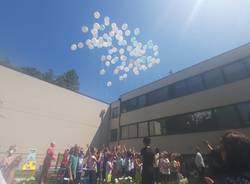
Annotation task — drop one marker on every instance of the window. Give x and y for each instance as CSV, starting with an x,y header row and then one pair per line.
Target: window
x,y
195,84
143,129
124,107
203,121
227,117
115,112
179,89
157,96
131,104
132,131
141,101
114,135
235,72
247,62
244,110
124,132
213,78
155,128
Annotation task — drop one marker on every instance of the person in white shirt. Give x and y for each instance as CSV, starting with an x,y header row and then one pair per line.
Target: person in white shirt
x,y
164,166
199,162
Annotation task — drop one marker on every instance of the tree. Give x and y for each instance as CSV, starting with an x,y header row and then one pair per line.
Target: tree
x,y
49,76
69,80
32,72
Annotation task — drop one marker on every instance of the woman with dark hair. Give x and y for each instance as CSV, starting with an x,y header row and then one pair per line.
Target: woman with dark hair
x,y
235,153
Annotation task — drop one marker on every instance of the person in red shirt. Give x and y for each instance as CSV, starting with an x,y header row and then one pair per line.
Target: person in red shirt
x,y
50,156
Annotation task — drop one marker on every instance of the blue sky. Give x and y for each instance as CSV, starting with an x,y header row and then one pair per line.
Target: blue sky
x,y
39,34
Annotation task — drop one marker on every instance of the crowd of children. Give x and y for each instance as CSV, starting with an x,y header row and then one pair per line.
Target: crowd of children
x,y
110,165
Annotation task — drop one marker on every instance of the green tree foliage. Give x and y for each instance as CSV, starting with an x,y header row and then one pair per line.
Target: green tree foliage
x,y
68,80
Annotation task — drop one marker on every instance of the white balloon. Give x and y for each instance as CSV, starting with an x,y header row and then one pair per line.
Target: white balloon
x,y
126,69
114,49
116,71
106,21
127,32
109,57
107,63
113,25
123,63
156,53
109,84
120,78
130,65
103,58
111,33
73,47
137,31
123,58
125,76
121,51
121,67
150,65
124,26
129,48
110,51
157,61
80,45
85,29
102,72
96,26
155,48
97,14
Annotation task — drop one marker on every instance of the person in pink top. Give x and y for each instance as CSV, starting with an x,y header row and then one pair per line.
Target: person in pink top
x,y
50,156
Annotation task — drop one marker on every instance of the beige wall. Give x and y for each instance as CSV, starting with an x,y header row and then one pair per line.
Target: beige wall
x,y
183,143
34,112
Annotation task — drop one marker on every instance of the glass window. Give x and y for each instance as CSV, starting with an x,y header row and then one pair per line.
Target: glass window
x,y
143,129
172,126
141,101
235,72
155,128
203,121
227,117
247,62
157,96
124,132
163,126
213,78
115,112
114,135
195,84
179,89
244,110
124,107
132,131
131,104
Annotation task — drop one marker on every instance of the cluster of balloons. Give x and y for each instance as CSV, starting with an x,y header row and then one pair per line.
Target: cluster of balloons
x,y
125,53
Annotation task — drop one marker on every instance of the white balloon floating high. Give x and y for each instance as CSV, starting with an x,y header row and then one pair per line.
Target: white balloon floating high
x,y
122,50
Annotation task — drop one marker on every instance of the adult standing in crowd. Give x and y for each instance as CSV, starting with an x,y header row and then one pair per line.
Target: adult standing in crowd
x,y
92,165
199,163
148,161
50,156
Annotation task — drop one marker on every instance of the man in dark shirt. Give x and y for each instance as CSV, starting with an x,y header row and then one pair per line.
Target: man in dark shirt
x,y
148,160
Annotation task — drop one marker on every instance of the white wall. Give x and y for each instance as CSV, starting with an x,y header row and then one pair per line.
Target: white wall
x,y
33,113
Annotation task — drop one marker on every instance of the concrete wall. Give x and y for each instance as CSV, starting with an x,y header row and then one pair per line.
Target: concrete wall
x,y
33,113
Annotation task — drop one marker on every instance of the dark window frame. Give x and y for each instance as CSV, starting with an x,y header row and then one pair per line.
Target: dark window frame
x,y
165,119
